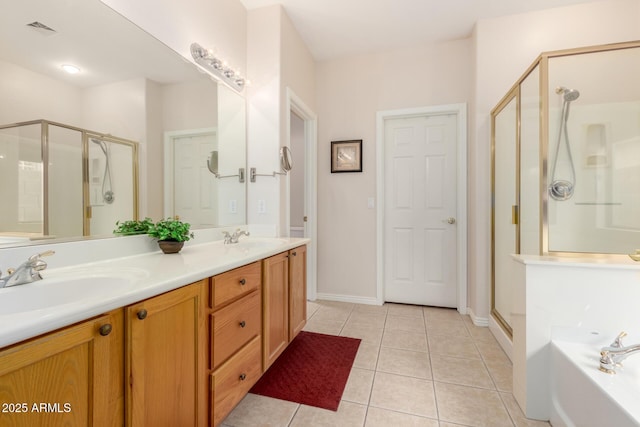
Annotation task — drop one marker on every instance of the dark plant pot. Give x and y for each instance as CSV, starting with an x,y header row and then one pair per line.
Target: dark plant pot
x,y
169,247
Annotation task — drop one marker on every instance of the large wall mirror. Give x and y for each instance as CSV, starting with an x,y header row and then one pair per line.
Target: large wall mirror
x,y
131,134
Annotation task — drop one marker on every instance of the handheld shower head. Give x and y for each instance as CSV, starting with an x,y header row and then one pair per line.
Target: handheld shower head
x,y
107,191
568,94
100,143
561,189
571,95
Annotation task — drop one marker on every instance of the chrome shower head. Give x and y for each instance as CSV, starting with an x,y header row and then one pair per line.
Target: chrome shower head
x,y
101,143
568,94
571,95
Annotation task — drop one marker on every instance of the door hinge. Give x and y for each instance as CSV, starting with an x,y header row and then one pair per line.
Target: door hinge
x,y
515,214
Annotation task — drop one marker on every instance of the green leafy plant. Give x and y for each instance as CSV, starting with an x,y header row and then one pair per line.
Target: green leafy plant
x,y
133,226
172,230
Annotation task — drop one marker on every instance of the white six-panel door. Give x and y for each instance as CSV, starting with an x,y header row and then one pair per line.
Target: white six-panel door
x,y
194,186
420,193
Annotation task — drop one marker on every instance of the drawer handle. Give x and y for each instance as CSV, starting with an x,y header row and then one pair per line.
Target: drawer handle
x,y
243,377
142,314
105,329
243,281
243,324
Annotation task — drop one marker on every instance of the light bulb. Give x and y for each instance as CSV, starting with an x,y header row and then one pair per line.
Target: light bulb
x,y
71,69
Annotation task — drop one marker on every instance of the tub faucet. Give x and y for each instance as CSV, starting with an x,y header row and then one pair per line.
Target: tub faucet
x,y
233,238
612,356
27,272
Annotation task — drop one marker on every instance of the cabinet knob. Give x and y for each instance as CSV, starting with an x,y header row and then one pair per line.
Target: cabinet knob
x,y
243,324
142,314
243,377
105,329
243,281
295,253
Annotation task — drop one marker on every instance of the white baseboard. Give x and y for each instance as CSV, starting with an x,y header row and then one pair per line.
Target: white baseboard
x,y
347,298
478,321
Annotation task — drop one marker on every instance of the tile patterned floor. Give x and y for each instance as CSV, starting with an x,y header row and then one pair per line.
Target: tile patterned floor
x,y
416,366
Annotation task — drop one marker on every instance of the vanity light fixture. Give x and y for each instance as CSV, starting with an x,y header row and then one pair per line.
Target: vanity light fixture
x,y
217,67
71,69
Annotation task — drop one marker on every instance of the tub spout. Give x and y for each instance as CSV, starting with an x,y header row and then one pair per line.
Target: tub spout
x,y
612,356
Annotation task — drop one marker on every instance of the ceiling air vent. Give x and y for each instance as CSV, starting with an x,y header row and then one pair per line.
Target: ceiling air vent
x,y
41,28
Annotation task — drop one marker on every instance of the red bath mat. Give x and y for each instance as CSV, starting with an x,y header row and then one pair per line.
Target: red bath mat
x,y
313,370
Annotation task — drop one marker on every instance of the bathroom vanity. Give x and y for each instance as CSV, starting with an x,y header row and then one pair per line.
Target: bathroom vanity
x,y
211,321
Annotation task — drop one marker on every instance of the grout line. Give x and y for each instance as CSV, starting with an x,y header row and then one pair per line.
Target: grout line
x,y
468,328
294,415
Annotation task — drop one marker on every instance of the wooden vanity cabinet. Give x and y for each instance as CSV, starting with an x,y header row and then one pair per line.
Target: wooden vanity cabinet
x,y
148,364
275,296
70,377
284,301
236,337
297,290
167,359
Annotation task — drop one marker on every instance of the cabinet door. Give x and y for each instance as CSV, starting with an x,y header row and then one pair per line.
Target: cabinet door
x,y
276,307
167,359
72,377
297,290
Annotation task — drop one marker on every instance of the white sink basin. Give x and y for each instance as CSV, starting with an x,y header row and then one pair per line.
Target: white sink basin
x,y
60,289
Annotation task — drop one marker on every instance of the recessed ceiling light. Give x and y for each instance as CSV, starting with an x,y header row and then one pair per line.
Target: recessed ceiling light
x,y
71,69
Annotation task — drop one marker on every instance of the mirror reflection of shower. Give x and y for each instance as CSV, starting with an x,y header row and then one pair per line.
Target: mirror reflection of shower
x,y
107,183
561,189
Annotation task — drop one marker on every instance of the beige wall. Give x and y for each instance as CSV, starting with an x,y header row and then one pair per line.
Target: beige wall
x,y
504,48
263,113
298,73
297,142
22,99
277,60
349,93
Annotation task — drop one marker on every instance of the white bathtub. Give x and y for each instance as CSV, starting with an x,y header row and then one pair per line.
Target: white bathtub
x,y
583,396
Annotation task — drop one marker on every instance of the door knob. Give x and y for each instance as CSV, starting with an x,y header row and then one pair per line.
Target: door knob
x,y
450,220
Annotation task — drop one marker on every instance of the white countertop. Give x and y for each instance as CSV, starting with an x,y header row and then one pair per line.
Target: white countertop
x,y
119,282
613,262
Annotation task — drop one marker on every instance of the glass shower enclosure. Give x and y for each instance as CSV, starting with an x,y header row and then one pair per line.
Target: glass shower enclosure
x,y
63,181
566,162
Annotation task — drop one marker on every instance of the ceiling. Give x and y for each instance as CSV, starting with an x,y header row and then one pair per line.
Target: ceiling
x,y
107,47
336,28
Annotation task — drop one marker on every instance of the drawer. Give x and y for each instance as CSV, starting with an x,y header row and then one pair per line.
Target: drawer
x,y
235,325
228,286
232,381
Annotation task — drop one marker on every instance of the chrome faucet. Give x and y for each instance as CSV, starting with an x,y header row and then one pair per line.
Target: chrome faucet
x,y
233,238
29,271
612,356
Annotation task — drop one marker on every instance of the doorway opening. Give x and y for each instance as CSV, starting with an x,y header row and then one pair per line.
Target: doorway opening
x,y
300,192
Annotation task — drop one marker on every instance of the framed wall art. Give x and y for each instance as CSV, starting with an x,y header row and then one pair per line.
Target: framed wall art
x,y
346,156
